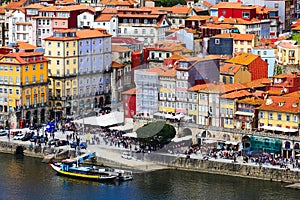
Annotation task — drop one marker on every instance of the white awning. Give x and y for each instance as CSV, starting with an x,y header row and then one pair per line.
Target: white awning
x,y
244,113
231,142
176,139
210,141
274,128
132,135
126,127
110,119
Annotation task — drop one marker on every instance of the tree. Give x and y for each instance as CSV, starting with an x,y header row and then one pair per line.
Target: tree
x,y
156,133
170,3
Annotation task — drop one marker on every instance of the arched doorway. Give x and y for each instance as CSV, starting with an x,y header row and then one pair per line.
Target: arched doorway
x,y
96,103
186,132
287,149
226,137
297,150
88,104
68,108
35,117
81,104
27,118
107,100
43,116
246,142
101,102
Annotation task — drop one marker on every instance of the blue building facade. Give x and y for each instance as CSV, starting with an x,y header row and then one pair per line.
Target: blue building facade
x,y
94,66
268,55
220,46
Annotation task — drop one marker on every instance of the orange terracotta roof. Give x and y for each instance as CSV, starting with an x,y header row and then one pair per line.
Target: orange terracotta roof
x,y
35,5
163,71
198,17
19,56
138,16
251,101
196,88
24,23
181,9
236,94
281,104
131,91
117,65
230,68
118,48
242,58
109,11
237,5
258,83
295,94
218,87
25,45
91,33
206,3
236,36
104,17
13,5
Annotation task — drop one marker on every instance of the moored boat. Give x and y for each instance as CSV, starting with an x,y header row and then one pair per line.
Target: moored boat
x,y
74,168
82,172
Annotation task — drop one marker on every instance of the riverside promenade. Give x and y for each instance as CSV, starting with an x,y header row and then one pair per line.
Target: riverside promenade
x,y
110,155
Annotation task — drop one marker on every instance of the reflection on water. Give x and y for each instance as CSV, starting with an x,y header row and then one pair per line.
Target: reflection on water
x,y
29,178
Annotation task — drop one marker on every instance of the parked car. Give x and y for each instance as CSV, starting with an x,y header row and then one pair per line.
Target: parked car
x,y
18,136
126,155
35,137
63,142
82,145
53,141
27,136
3,132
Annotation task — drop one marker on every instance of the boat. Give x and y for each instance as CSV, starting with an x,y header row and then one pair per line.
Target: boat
x,y
74,168
123,175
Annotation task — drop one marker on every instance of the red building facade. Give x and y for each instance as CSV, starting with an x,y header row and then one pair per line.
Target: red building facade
x,y
129,103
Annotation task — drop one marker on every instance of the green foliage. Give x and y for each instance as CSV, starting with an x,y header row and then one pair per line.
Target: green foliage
x,y
170,3
296,37
156,133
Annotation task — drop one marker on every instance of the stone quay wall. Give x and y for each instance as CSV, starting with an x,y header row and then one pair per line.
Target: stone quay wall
x,y
235,169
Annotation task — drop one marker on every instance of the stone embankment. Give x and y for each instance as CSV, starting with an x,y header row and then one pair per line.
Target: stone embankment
x,y
155,161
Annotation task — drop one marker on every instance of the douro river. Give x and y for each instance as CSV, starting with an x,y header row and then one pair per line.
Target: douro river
x,y
25,178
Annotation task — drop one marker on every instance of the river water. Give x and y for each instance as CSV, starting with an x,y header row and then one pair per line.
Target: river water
x,y
25,178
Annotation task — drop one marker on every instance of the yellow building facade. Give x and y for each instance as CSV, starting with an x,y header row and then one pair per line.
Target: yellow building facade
x,y
280,114
62,51
231,73
288,52
24,81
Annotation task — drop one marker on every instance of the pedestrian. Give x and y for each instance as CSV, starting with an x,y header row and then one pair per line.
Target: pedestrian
x,y
8,135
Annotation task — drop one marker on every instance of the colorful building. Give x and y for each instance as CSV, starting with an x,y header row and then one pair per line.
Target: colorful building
x,y
246,113
288,53
232,73
79,71
254,63
280,114
24,87
129,103
228,103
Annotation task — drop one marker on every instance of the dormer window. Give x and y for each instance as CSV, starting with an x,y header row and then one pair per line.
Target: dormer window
x,y
246,15
280,104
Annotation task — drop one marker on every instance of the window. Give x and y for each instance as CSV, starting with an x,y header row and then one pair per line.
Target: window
x,y
246,15
230,80
217,41
58,45
26,68
33,67
279,116
270,116
295,118
57,62
288,117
